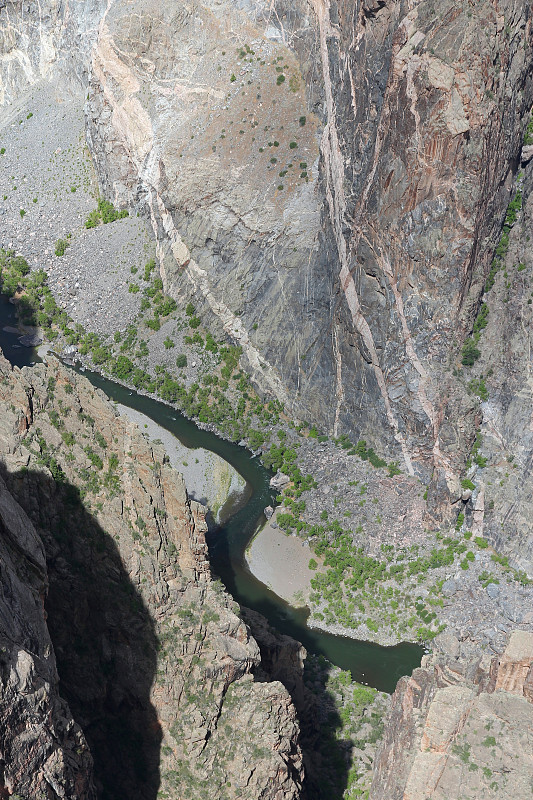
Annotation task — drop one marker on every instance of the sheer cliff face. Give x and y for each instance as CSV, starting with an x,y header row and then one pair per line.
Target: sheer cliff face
x,y
45,40
362,268
152,658
453,729
43,752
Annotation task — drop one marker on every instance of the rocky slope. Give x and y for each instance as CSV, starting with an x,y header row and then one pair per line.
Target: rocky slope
x,y
460,731
136,622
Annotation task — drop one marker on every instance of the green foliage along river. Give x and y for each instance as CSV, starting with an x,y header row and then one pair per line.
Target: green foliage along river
x,y
369,663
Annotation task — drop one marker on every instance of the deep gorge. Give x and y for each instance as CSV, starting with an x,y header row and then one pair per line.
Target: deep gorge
x,y
307,226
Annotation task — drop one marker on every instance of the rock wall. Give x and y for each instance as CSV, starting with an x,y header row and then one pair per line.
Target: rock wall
x,y
351,288
48,40
455,732
42,749
502,503
153,660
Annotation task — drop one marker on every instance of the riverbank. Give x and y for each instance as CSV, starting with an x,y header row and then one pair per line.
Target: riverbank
x,y
281,562
208,478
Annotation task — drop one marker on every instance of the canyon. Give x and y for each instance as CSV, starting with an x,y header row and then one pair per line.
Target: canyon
x,y
341,191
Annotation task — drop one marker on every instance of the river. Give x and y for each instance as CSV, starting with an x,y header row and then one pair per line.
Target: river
x,y
368,663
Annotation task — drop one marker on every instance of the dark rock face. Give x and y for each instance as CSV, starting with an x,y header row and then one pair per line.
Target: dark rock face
x,y
43,752
420,132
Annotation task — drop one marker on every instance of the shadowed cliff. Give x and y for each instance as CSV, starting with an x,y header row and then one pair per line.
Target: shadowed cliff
x,y
103,637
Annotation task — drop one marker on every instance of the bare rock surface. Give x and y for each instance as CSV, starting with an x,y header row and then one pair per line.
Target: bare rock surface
x,y
450,734
358,294
136,622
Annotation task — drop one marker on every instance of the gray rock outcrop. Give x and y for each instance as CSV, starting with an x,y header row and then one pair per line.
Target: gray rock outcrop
x,y
452,733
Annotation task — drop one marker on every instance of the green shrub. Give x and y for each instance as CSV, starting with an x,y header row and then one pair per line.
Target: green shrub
x,y
94,458
181,361
477,386
469,353
528,135
148,269
513,208
123,368
167,307
61,246
93,219
154,323
481,319
106,212
210,344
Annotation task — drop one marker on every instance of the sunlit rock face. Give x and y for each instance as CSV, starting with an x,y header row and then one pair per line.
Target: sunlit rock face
x,y
455,727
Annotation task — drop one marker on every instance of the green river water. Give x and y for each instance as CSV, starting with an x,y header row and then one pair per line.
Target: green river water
x,y
368,663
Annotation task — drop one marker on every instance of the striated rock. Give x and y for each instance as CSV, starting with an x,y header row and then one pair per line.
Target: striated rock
x,y
513,672
449,734
153,661
363,276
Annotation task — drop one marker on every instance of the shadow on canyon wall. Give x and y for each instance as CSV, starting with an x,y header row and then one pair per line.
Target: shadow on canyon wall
x,y
106,651
103,636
